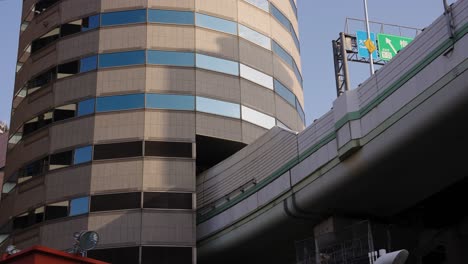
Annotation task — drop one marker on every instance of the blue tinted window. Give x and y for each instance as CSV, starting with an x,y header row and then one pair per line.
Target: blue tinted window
x,y
88,64
257,118
171,17
285,21
218,107
278,50
256,76
255,37
215,23
293,5
297,73
123,17
171,58
170,101
263,4
280,17
7,187
90,23
122,58
217,64
86,107
284,92
83,155
79,206
120,102
296,40
300,111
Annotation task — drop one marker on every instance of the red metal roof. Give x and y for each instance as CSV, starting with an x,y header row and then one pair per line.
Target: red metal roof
x,y
44,255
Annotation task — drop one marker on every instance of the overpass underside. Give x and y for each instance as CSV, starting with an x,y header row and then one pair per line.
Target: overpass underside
x,y
418,185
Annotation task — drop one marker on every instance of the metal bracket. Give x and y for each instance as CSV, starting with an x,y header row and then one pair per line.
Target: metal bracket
x,y
345,50
341,65
448,13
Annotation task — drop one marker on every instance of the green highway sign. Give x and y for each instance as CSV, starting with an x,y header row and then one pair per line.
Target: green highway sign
x,y
390,45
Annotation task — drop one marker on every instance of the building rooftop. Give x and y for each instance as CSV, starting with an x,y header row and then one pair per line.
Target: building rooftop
x,y
40,254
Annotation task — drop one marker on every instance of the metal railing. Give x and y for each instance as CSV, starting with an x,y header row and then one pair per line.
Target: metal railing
x,y
354,24
355,244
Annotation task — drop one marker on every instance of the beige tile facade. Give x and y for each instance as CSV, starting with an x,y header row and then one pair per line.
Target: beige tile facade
x,y
145,173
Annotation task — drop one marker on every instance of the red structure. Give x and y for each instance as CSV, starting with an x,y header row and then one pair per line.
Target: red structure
x,y
43,255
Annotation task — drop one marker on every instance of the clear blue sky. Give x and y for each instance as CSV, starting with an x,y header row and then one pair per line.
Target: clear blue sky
x,y
320,23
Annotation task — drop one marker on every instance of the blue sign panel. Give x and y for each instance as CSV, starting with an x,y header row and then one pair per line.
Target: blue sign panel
x,y
361,37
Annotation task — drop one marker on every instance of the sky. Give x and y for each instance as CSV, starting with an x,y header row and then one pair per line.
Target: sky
x,y
320,22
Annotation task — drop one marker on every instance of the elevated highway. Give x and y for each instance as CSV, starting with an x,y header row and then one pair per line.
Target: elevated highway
x,y
383,149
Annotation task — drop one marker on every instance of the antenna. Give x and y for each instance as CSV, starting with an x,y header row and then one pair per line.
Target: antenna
x,y
84,242
11,250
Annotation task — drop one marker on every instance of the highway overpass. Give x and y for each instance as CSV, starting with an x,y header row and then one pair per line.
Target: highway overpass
x,y
393,146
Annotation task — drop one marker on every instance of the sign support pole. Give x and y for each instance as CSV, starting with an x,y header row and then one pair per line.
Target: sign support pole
x,y
371,59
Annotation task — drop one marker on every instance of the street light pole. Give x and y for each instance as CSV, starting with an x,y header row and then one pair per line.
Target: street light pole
x,y
369,37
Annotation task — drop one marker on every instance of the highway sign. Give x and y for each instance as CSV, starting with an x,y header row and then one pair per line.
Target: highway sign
x,y
370,46
390,45
363,51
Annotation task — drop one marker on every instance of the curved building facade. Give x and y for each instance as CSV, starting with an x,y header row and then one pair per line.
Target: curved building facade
x,y
119,104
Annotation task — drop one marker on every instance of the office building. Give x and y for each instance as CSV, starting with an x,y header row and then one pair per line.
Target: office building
x,y
119,104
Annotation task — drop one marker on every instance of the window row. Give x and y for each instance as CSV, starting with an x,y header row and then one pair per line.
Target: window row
x,y
158,16
61,71
262,4
136,200
70,28
42,6
49,163
288,59
102,203
149,255
190,59
98,152
157,57
286,94
189,18
74,207
286,23
183,102
155,101
276,13
65,112
294,7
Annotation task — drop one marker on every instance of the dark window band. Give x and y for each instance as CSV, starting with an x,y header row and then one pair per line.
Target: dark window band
x,y
118,150
167,200
149,255
116,255
168,149
120,201
153,200
166,255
